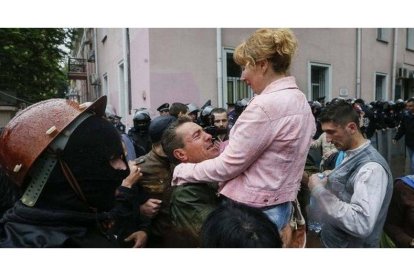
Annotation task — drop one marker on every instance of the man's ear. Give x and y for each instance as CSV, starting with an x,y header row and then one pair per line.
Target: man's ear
x,y
180,154
352,127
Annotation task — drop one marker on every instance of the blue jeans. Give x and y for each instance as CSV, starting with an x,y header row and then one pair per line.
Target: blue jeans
x,y
279,214
411,154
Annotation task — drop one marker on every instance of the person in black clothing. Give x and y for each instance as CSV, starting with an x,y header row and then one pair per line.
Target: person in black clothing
x,y
406,129
74,176
139,133
239,107
8,193
316,108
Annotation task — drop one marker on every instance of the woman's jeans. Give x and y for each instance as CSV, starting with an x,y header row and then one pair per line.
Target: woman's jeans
x,y
279,214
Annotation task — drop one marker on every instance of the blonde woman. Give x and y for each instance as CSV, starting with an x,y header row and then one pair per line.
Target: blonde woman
x,y
262,165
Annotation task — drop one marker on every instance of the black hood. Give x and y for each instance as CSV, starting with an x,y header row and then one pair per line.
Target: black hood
x,y
87,154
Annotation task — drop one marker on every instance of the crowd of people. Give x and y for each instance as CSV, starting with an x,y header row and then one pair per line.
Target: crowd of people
x,y
73,176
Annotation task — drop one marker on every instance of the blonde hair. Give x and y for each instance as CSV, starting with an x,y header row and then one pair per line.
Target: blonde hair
x,y
276,46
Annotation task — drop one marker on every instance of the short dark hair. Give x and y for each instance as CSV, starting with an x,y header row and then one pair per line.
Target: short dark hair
x,y
339,112
218,110
235,225
410,100
176,108
170,141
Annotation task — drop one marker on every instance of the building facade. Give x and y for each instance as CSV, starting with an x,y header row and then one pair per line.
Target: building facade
x,y
147,67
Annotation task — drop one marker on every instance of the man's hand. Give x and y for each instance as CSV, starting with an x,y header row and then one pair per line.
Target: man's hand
x,y
317,179
140,239
134,175
150,208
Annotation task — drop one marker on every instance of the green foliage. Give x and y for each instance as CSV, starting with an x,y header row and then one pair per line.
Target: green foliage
x,y
32,62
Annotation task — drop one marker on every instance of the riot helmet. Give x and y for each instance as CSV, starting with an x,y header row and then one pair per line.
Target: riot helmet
x,y
240,105
142,120
55,131
399,104
205,115
193,111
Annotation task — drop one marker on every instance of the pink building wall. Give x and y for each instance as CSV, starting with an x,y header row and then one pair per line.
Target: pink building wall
x,y
183,66
180,65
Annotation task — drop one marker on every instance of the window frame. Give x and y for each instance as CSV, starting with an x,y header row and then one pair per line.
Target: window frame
x,y
410,33
383,35
328,79
385,86
234,81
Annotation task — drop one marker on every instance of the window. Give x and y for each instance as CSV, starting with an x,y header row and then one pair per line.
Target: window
x,y
383,34
319,81
410,39
380,86
234,88
105,88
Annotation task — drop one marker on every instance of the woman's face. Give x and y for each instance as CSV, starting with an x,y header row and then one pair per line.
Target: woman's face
x,y
253,77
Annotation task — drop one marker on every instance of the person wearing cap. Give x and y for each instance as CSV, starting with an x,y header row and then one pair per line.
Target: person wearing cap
x,y
153,190
193,111
75,180
164,109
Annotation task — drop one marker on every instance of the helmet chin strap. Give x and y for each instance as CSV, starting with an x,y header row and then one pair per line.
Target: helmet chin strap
x,y
46,162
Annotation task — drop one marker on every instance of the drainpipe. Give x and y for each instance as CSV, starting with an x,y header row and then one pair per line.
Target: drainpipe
x,y
358,73
219,68
128,54
394,64
95,43
126,101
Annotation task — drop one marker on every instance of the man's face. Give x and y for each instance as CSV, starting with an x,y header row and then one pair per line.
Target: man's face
x,y
340,136
410,107
220,120
198,145
193,116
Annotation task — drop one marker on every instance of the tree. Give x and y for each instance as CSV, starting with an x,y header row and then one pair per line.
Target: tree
x,y
32,62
